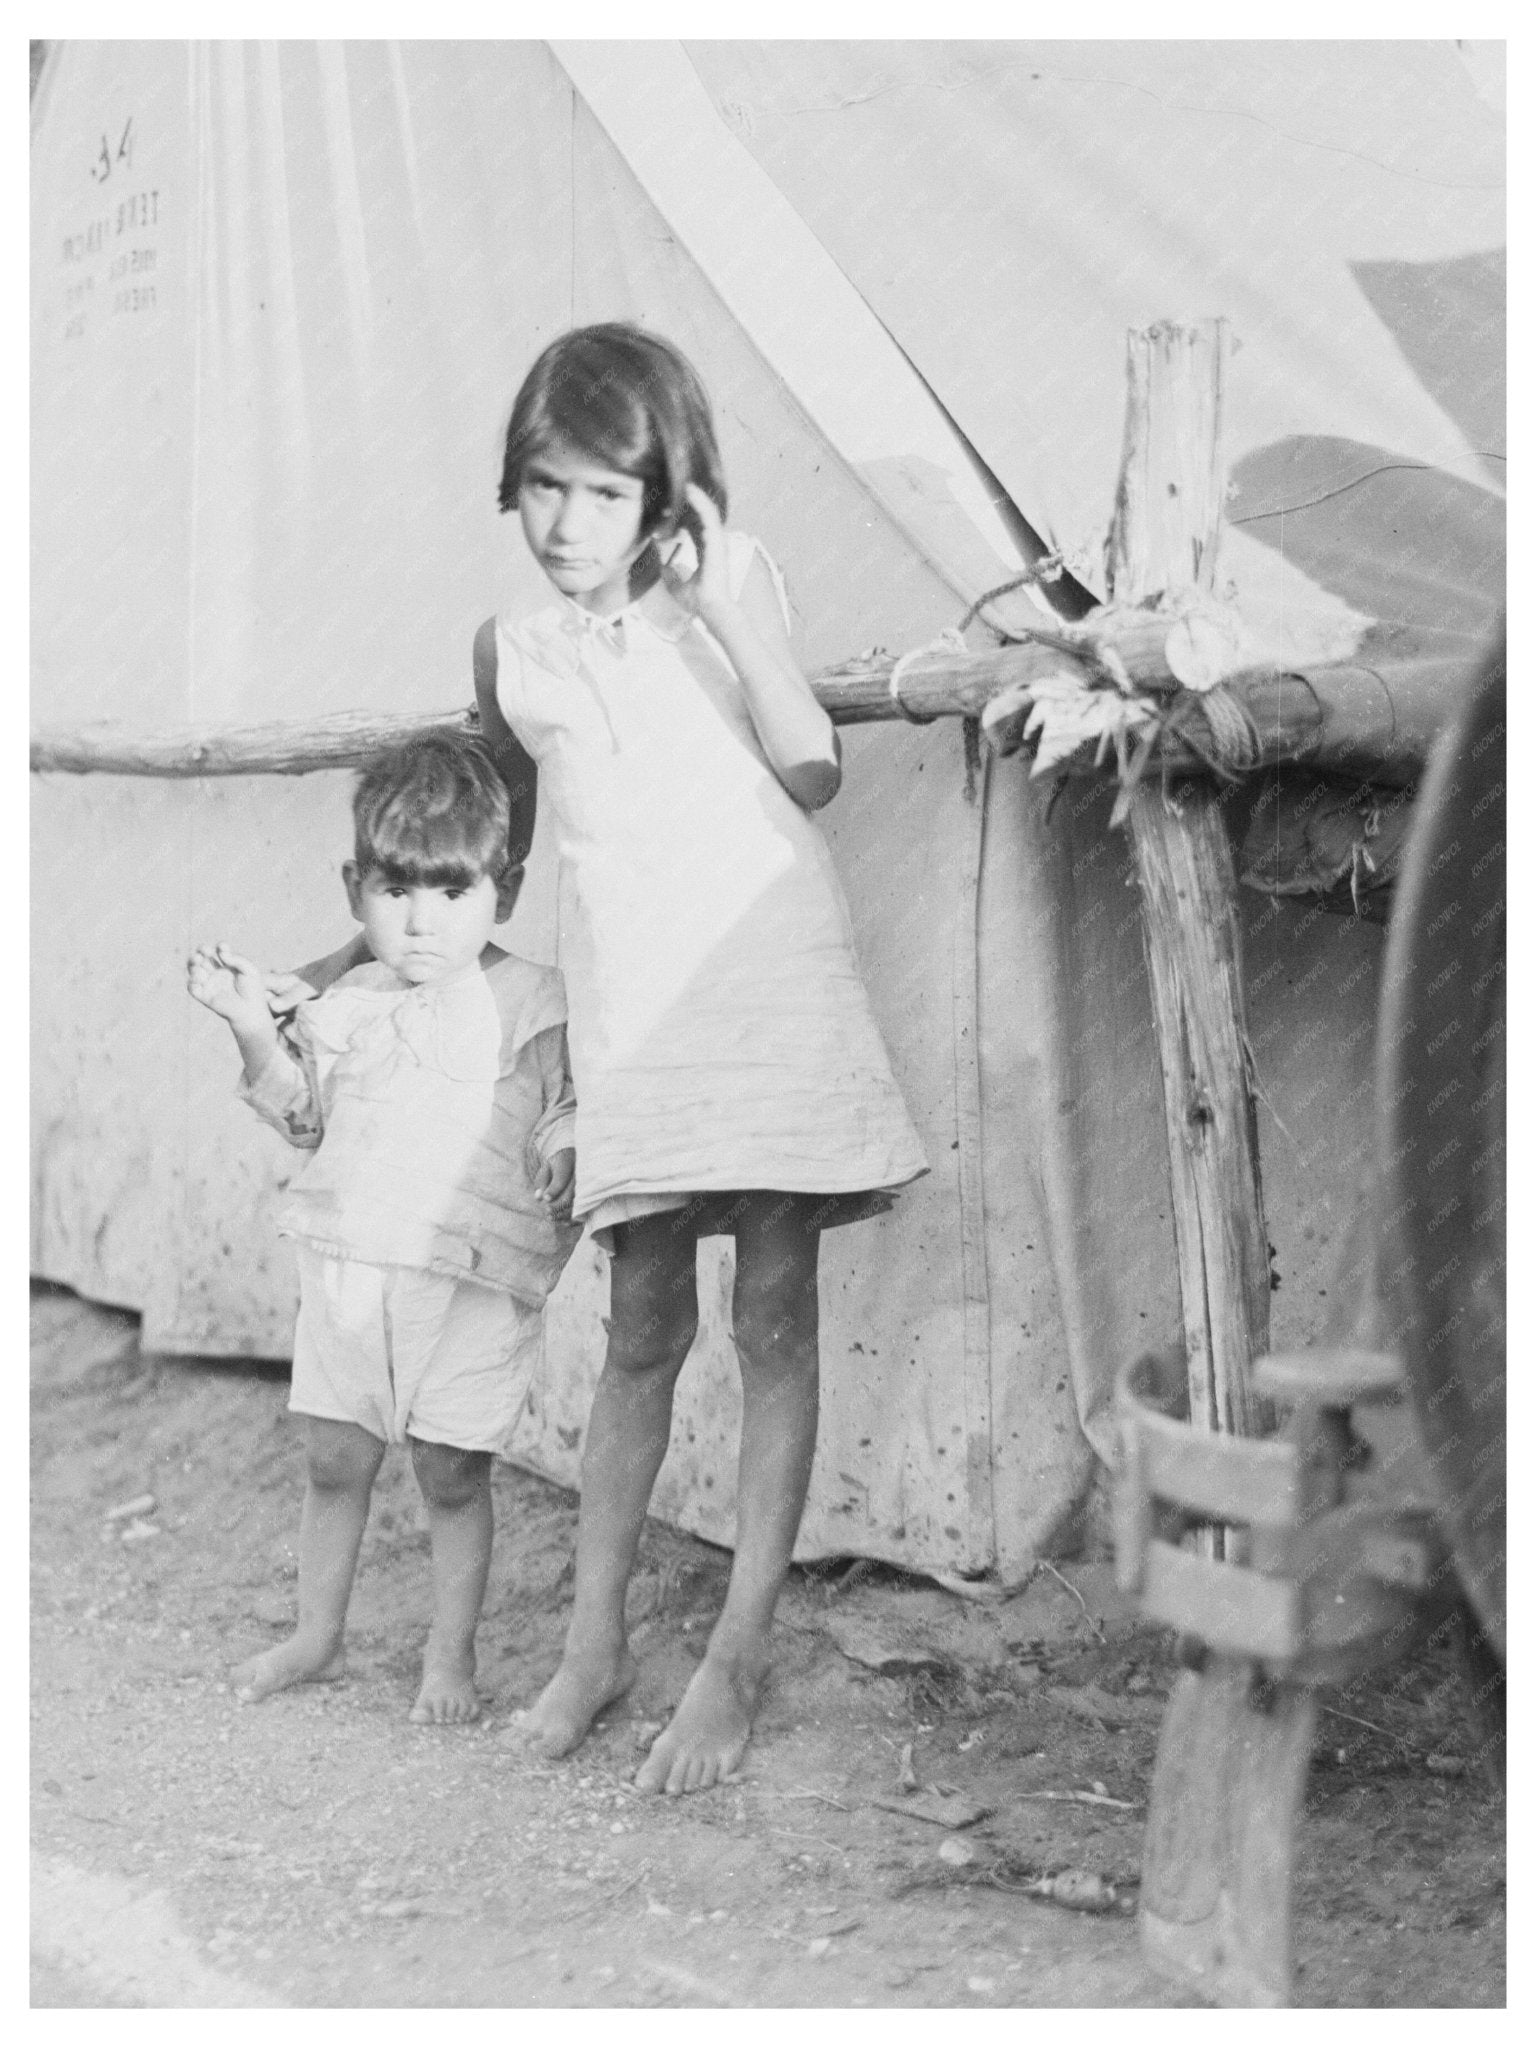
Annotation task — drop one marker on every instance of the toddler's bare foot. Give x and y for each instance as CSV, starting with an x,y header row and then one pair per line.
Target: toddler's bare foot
x,y
572,1701
447,1691
708,1735
295,1662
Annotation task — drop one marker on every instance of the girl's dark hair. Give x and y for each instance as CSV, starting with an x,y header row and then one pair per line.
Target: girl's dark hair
x,y
630,402
432,811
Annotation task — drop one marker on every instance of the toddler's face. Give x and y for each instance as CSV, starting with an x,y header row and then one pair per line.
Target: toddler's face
x,y
423,933
582,523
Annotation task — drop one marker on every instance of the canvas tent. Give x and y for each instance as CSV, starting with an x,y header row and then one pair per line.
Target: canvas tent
x,y
282,294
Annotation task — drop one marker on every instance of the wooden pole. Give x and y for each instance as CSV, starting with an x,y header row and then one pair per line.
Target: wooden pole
x,y
297,746
1165,538
1336,719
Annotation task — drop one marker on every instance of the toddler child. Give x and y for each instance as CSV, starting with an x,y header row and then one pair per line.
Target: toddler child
x,y
431,1087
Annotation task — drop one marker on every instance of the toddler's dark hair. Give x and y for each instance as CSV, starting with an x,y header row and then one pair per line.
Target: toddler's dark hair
x,y
432,811
630,402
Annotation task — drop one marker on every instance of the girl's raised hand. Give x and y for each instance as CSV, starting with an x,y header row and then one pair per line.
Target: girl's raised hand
x,y
707,591
233,987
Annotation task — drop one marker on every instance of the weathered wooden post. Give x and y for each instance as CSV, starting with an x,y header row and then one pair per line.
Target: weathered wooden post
x,y
1231,1761
1164,539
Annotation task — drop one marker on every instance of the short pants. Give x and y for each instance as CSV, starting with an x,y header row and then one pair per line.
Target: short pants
x,y
401,1352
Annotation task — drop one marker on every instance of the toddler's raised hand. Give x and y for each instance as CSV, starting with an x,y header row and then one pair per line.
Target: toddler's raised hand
x,y
233,987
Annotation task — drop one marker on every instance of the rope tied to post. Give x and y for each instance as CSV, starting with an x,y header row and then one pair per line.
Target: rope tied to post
x,y
1049,569
950,641
1213,724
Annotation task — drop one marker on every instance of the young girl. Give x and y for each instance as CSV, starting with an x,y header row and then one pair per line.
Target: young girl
x,y
430,1087
729,1075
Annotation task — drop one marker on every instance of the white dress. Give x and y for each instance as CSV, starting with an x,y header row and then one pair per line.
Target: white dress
x,y
720,1036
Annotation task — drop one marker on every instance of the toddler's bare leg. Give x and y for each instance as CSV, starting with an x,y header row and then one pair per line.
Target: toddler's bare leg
x,y
456,1486
654,1314
775,1313
342,1460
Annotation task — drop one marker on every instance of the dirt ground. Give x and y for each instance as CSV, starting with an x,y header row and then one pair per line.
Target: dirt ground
x,y
320,1851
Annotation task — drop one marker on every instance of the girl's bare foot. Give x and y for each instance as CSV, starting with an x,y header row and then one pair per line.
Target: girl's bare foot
x,y
572,1701
708,1735
447,1691
295,1662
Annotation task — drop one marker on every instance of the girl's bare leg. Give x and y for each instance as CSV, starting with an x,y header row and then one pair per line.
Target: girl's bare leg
x,y
653,1317
343,1461
775,1312
456,1486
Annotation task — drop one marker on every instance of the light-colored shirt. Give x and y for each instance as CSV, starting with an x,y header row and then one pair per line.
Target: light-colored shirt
x,y
428,1110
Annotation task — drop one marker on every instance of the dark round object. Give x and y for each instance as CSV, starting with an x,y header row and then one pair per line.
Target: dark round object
x,y
1440,1080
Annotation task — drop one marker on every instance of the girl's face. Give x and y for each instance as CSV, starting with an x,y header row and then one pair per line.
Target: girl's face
x,y
583,524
